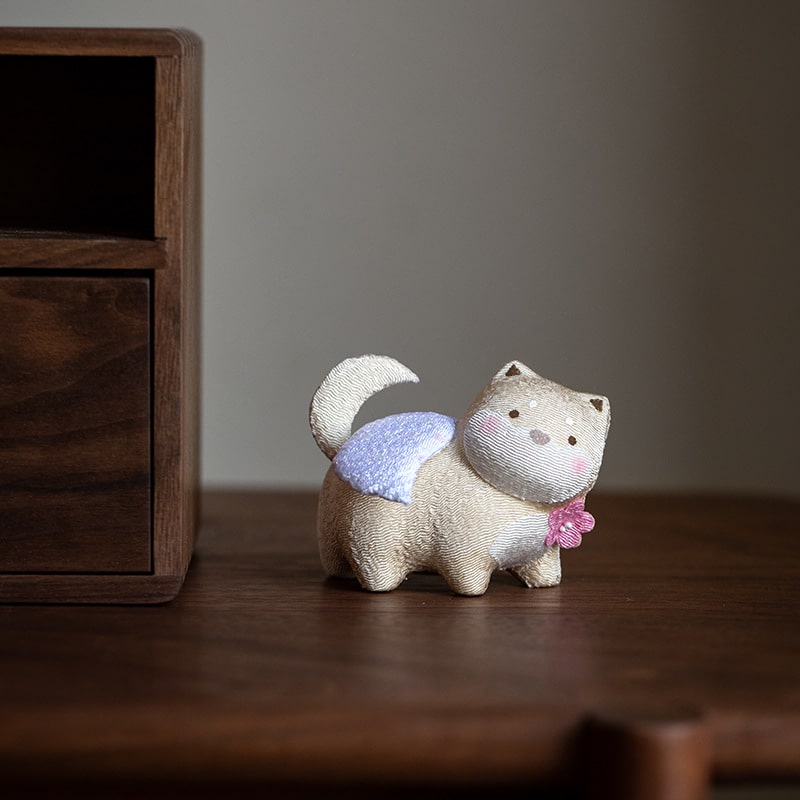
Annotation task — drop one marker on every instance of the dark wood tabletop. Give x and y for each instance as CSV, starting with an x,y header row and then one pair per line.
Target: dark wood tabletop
x,y
669,657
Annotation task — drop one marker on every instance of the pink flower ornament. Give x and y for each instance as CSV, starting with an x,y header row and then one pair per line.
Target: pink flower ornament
x,y
567,525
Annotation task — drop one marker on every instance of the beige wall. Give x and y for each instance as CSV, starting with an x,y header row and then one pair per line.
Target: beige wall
x,y
609,191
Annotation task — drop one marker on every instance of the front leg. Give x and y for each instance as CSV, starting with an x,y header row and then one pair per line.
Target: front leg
x,y
544,571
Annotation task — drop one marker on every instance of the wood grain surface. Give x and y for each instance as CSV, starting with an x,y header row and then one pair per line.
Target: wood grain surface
x,y
101,156
674,630
56,250
159,42
176,407
75,424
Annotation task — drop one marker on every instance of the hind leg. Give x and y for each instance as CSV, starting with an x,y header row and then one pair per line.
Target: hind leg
x,y
330,527
362,535
333,561
379,572
383,580
468,579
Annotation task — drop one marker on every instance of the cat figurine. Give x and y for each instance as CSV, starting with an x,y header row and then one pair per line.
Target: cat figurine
x,y
501,488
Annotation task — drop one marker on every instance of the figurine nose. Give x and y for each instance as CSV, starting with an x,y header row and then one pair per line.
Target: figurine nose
x,y
539,437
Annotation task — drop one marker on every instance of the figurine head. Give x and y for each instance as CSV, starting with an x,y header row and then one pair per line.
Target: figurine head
x,y
533,438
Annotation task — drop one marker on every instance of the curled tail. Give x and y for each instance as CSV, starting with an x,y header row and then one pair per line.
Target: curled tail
x,y
345,389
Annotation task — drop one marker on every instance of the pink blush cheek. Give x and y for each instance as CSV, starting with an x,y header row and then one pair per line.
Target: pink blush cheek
x,y
490,426
579,466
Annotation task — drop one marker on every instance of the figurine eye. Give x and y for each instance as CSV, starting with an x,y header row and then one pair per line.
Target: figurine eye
x,y
572,440
513,413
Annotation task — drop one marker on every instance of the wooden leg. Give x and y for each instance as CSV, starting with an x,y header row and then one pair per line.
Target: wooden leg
x,y
648,759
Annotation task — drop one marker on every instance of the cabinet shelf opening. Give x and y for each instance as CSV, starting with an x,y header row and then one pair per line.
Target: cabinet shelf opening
x,y
77,145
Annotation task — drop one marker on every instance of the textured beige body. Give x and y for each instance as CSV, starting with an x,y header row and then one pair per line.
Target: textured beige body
x,y
448,528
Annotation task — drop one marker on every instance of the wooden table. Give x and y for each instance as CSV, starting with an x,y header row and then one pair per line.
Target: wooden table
x,y
668,657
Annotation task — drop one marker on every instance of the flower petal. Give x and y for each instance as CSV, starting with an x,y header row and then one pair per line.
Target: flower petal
x,y
569,538
566,525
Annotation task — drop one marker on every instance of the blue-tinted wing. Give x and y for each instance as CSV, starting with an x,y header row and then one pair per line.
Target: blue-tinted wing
x,y
384,457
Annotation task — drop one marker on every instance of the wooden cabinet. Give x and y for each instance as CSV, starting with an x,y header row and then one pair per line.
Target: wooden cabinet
x,y
75,424
99,293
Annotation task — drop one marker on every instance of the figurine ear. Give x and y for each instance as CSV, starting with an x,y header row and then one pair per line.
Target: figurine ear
x,y
601,405
598,402
513,369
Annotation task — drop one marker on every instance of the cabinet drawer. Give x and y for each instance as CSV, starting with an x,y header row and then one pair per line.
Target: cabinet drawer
x,y
75,424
